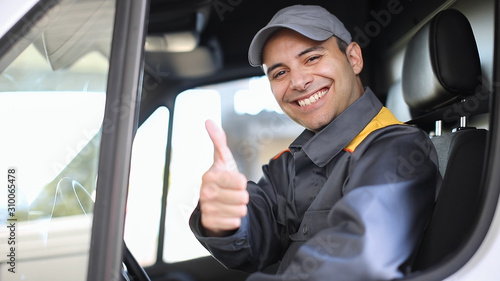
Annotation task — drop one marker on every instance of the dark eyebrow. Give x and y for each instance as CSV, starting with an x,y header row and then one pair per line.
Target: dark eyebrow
x,y
308,50
274,66
311,49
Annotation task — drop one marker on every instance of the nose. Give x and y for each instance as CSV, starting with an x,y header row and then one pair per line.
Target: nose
x,y
300,80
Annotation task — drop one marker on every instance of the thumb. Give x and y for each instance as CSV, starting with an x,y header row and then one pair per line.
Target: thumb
x,y
223,158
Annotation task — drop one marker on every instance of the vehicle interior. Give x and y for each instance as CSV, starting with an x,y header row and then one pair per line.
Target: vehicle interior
x,y
429,61
432,63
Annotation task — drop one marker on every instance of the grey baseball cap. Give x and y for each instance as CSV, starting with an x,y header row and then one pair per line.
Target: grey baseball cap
x,y
314,22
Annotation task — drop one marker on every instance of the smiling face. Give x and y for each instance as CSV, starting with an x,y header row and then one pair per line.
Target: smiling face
x,y
312,81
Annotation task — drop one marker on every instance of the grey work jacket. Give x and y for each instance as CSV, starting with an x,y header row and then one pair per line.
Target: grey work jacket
x,y
348,203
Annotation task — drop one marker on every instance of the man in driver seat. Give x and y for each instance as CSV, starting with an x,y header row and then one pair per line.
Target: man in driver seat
x,y
350,198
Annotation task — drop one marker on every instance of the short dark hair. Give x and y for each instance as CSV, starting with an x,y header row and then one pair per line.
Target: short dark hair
x,y
342,45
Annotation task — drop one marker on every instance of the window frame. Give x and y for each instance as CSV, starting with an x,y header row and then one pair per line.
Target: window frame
x,y
119,127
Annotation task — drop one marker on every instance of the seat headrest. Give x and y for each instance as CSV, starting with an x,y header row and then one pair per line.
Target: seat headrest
x,y
441,63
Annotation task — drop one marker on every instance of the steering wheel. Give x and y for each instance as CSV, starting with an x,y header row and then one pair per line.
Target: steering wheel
x,y
133,271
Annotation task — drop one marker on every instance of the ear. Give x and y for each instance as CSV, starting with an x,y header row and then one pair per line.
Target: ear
x,y
355,57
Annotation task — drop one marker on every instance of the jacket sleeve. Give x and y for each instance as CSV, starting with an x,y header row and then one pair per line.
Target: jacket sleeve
x,y
256,244
373,230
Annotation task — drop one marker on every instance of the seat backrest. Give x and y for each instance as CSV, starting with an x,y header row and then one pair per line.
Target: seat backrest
x,y
441,69
457,203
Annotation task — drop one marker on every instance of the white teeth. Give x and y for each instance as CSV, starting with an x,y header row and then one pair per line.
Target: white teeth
x,y
312,99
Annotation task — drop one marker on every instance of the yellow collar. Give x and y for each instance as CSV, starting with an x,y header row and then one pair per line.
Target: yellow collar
x,y
383,119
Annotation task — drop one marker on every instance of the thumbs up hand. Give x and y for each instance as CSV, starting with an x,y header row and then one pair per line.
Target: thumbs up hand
x,y
223,194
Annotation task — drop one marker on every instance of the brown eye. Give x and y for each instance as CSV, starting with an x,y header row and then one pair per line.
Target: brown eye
x,y
313,58
278,74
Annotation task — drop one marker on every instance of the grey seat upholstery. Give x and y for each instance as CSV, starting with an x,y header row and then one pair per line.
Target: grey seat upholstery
x,y
441,69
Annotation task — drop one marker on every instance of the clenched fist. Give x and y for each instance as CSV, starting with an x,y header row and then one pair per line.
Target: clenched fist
x,y
223,194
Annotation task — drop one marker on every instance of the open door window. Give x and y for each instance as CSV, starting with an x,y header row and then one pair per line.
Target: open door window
x,y
54,68
59,102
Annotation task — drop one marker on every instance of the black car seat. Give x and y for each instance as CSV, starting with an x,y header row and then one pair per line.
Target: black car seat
x,y
441,82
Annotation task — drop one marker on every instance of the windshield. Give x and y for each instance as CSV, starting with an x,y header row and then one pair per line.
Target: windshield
x,y
53,76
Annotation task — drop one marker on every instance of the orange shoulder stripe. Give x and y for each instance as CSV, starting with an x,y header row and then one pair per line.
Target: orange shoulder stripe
x,y
279,154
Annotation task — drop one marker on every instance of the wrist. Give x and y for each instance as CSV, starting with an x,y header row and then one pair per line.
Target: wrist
x,y
219,233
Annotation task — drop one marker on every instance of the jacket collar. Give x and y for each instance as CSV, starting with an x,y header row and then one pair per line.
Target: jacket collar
x,y
326,144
